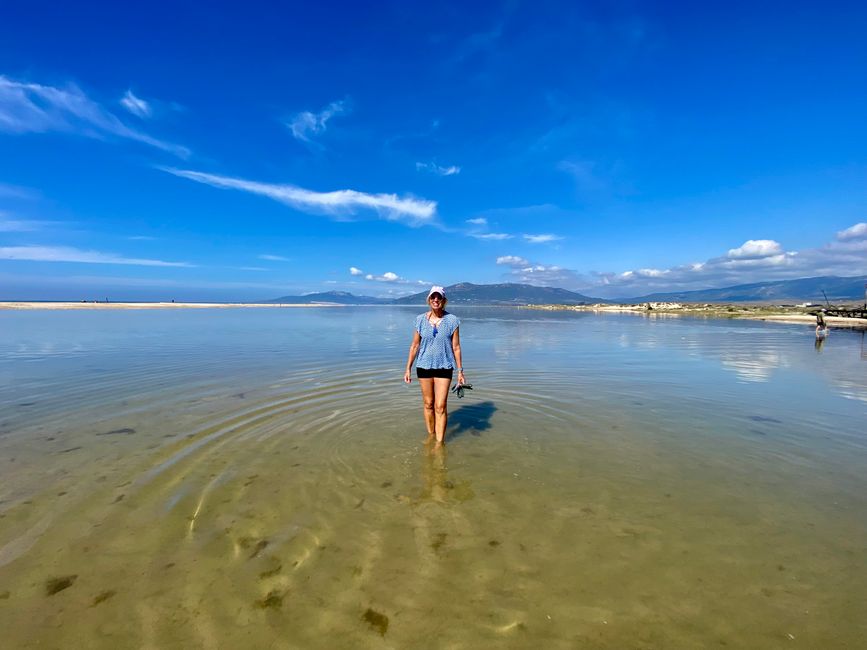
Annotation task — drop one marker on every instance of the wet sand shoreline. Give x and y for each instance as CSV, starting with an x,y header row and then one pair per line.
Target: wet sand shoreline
x,y
716,311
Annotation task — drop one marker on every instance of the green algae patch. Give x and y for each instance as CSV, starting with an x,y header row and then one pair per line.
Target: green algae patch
x,y
276,567
102,597
376,620
55,585
273,600
254,545
439,541
126,431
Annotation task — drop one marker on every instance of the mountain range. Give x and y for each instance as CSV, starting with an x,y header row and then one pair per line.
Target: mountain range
x,y
837,289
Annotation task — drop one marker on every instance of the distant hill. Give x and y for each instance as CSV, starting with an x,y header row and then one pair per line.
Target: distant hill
x,y
331,297
783,291
466,293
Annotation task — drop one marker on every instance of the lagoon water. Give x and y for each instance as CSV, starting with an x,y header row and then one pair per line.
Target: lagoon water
x,y
259,479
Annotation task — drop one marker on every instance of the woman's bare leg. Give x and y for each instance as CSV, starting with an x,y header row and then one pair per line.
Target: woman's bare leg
x,y
441,396
427,398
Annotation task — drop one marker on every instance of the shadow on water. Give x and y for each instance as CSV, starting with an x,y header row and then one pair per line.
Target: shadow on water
x,y
471,418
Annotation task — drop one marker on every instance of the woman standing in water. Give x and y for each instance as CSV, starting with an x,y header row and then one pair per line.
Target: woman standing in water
x,y
436,341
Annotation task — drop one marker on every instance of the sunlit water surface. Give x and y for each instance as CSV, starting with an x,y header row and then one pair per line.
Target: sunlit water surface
x,y
259,479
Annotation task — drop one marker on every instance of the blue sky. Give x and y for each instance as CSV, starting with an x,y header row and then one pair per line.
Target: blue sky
x,y
615,148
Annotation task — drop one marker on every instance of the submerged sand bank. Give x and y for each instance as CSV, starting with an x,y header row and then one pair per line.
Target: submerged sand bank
x,y
807,319
766,313
150,305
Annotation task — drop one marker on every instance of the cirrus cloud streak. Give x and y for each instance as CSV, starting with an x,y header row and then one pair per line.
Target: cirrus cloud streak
x,y
409,210
69,254
35,108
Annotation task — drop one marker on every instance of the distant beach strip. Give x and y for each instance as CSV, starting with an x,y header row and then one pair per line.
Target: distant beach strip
x,y
154,305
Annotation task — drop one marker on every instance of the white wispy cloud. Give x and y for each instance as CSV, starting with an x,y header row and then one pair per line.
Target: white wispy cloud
x,y
68,254
141,238
273,258
493,236
451,170
307,123
251,268
35,108
17,192
542,239
587,177
858,231
391,207
478,221
355,271
8,224
136,105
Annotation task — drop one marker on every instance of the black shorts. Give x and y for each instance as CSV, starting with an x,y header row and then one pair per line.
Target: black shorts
x,y
430,373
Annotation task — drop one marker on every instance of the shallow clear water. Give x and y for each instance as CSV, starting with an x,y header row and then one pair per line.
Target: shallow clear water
x,y
259,478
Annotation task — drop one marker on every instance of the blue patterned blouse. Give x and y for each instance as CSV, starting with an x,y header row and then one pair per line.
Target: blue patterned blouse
x,y
435,350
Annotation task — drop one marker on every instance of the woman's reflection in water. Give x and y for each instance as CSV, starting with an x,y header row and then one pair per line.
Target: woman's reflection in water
x,y
436,485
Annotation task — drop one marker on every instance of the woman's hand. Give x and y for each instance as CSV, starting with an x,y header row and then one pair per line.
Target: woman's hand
x,y
461,379
407,377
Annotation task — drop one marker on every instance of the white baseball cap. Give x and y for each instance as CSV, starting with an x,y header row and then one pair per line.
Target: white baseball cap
x,y
435,289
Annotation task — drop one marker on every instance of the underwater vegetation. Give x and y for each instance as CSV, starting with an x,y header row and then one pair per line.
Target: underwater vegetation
x,y
115,432
273,600
377,620
55,585
102,597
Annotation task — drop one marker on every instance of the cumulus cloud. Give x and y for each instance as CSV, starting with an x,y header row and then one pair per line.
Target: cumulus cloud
x,y
451,170
307,123
756,249
546,275
412,211
136,105
513,261
355,271
756,260
542,239
68,254
858,231
388,276
35,108
273,258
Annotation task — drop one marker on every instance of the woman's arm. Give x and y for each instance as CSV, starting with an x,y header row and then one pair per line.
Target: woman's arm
x,y
456,348
413,350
